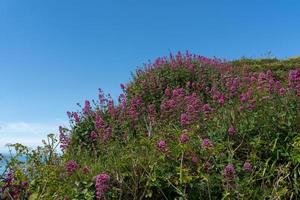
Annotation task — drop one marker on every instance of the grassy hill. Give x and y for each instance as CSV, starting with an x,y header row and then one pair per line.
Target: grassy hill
x,y
185,127
279,67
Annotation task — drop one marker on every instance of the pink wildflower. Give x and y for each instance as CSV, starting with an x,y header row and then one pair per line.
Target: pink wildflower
x,y
87,107
206,143
231,131
122,86
229,171
63,139
86,170
161,144
93,135
102,184
282,91
184,119
184,138
76,117
247,167
71,166
168,92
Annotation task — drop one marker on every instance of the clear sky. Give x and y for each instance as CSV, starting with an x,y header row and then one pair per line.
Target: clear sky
x,y
55,53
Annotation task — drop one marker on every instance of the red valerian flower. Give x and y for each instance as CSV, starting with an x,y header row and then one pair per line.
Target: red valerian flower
x,y
247,167
64,140
282,91
184,138
161,144
86,170
93,135
229,171
76,117
71,166
122,86
231,131
87,107
102,184
206,143
184,119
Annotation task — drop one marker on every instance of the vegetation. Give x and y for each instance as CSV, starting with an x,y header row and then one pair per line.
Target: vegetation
x,y
185,127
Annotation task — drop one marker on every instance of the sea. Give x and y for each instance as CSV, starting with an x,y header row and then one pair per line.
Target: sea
x,y
3,163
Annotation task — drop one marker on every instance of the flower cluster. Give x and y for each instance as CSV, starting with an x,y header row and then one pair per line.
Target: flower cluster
x,y
86,170
93,135
73,116
247,167
71,166
229,171
294,81
206,143
187,107
63,138
87,107
231,131
102,184
101,127
184,138
13,188
161,144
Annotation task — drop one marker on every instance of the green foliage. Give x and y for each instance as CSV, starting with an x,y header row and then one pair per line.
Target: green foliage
x,y
280,68
246,147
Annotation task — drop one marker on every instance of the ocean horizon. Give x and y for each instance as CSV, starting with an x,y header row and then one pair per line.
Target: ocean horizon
x,y
6,154
2,163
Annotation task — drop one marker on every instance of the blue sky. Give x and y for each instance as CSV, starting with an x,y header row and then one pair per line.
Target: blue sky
x,y
55,53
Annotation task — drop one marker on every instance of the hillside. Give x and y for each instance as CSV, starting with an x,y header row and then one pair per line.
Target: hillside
x,y
185,127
